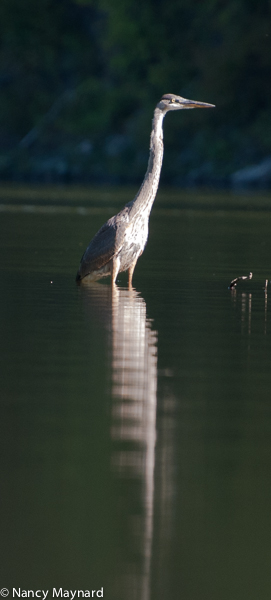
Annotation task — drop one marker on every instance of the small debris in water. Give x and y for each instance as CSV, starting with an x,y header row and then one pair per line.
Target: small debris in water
x,y
234,282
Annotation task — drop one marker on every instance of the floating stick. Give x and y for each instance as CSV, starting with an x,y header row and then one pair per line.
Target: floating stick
x,y
234,282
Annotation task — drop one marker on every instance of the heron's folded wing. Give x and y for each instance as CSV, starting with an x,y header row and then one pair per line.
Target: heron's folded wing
x,y
103,247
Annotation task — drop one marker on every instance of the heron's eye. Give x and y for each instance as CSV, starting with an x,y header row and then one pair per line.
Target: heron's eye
x,y
172,100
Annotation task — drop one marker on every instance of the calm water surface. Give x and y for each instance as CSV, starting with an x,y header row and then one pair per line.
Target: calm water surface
x,y
136,427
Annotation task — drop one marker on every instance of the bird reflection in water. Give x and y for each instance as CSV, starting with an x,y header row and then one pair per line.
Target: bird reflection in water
x,y
134,381
133,354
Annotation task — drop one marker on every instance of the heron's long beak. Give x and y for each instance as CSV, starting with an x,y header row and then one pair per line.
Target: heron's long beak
x,y
195,104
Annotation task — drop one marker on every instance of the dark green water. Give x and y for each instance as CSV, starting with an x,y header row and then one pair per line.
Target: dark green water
x,y
136,429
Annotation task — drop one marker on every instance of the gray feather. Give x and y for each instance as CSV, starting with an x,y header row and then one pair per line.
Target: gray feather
x,y
104,246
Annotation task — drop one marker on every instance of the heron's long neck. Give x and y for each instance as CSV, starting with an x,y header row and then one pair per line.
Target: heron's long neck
x,y
146,194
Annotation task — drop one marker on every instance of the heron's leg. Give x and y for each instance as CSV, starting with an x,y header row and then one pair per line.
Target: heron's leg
x,y
114,270
130,273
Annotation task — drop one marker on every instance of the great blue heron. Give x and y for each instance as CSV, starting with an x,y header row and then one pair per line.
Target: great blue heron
x,y
122,239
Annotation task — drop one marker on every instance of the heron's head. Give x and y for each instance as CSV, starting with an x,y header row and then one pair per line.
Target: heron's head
x,y
173,102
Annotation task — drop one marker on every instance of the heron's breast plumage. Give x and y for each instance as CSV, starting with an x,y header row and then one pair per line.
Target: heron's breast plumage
x,y
135,238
